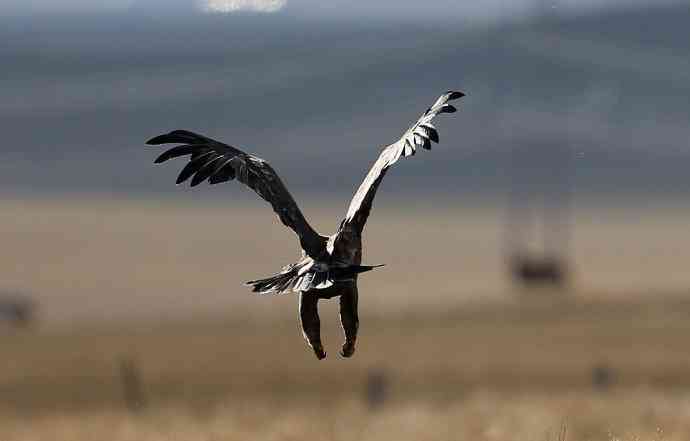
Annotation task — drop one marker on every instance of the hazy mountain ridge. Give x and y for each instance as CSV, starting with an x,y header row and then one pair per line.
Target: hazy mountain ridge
x,y
317,98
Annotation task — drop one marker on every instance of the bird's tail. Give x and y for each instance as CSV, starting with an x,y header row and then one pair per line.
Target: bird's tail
x,y
290,279
364,268
349,272
276,283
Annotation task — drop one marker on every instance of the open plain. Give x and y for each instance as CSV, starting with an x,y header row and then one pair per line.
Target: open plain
x,y
157,287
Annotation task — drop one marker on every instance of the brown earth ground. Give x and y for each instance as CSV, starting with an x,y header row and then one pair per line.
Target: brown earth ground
x,y
464,355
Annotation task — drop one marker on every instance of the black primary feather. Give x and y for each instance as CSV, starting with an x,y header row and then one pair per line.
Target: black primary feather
x,y
175,152
205,171
192,167
177,136
430,132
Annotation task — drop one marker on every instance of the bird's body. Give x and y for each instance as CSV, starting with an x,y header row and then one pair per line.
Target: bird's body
x,y
329,265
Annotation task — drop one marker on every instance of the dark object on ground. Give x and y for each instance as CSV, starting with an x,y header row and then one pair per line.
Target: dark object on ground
x,y
17,311
603,377
132,385
531,271
329,265
377,389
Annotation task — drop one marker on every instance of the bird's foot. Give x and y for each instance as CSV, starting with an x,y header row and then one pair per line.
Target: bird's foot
x,y
348,349
318,350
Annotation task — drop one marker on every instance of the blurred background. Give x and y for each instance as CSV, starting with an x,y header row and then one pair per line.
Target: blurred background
x,y
536,282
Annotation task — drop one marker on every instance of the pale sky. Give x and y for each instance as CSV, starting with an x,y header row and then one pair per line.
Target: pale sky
x,y
380,8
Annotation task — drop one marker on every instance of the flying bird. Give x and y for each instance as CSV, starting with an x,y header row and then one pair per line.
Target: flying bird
x,y
329,265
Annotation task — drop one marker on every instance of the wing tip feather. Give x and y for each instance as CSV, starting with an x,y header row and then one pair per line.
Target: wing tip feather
x,y
455,94
156,140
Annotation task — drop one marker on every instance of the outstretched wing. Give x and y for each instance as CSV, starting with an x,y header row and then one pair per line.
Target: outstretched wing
x,y
420,134
216,162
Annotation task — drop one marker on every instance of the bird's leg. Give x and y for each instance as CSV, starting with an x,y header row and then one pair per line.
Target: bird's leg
x,y
311,325
349,320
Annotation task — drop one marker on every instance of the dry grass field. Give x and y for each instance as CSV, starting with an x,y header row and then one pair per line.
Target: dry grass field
x,y
495,373
158,285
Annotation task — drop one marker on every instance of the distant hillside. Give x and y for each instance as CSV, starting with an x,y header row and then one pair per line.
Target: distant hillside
x,y
80,97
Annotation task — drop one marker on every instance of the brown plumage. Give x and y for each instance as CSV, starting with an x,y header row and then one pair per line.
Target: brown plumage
x,y
330,264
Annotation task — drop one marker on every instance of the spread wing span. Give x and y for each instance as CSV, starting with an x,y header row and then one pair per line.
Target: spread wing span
x,y
420,134
215,162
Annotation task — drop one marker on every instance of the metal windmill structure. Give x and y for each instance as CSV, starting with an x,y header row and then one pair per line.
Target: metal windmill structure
x,y
538,218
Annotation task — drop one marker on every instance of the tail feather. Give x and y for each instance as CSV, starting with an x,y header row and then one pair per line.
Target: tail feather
x,y
290,279
352,270
275,283
365,268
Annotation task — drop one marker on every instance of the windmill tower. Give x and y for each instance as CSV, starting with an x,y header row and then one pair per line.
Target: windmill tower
x,y
538,224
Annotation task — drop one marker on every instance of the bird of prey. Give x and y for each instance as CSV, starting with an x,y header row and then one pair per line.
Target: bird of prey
x,y
329,265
